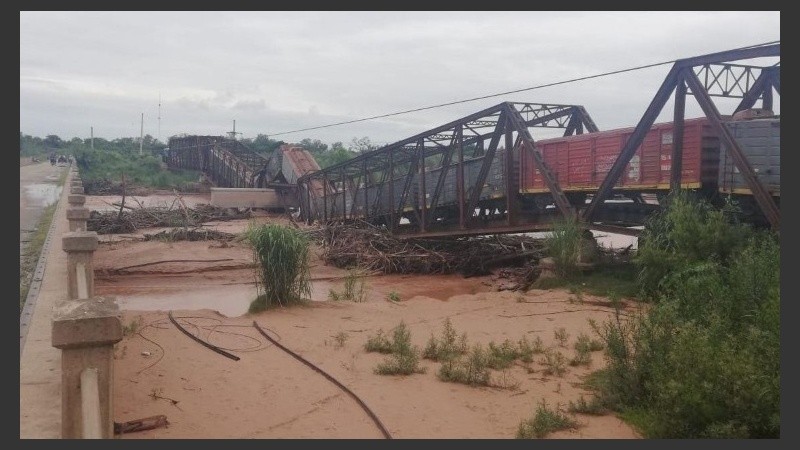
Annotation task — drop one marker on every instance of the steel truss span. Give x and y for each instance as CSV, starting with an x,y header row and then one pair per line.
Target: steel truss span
x,y
469,176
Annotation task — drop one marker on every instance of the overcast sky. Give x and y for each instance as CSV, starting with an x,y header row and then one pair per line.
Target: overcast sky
x,y
280,71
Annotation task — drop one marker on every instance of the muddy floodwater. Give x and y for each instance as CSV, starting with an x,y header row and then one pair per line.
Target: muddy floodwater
x,y
38,189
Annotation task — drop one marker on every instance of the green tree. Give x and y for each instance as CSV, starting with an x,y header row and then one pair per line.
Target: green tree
x,y
53,141
362,145
262,144
315,146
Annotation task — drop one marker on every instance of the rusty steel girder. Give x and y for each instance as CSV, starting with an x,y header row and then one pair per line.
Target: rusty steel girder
x,y
227,162
453,176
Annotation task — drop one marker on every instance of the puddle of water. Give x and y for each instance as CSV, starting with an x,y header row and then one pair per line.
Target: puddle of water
x,y
42,194
230,301
605,239
616,241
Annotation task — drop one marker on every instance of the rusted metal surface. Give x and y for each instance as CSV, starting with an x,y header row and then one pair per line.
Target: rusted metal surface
x,y
581,162
676,158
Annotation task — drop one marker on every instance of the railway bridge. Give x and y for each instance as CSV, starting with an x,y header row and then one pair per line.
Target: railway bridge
x,y
492,171
486,173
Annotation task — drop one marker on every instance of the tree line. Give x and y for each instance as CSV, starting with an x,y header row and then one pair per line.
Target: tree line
x,y
32,146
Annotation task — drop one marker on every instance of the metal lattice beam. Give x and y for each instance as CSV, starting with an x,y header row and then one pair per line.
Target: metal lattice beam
x,y
699,90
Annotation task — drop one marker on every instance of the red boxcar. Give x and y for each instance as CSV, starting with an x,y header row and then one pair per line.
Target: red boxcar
x,y
581,162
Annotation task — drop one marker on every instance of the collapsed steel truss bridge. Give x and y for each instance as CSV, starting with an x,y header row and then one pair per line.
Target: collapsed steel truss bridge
x,y
444,182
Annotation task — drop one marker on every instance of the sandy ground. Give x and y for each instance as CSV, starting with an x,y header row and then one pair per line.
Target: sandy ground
x,y
267,394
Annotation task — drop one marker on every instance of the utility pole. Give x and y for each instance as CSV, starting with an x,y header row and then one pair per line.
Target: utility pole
x,y
91,133
233,133
141,136
159,116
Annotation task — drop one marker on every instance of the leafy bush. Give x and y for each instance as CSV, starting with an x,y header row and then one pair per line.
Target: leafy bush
x,y
704,360
685,232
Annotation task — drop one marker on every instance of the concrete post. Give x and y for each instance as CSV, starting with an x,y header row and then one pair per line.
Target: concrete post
x,y
77,217
76,190
76,199
76,182
80,247
86,331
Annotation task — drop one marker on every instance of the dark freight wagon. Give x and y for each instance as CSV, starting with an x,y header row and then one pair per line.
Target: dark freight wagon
x,y
760,140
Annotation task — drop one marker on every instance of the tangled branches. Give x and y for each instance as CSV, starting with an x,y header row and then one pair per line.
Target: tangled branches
x,y
110,222
359,244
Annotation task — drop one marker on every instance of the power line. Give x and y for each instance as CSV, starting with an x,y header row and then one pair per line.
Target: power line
x,y
588,77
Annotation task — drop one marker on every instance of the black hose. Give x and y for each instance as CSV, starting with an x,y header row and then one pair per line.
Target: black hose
x,y
211,346
331,379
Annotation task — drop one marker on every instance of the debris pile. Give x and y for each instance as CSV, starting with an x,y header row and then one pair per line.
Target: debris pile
x,y
372,248
132,219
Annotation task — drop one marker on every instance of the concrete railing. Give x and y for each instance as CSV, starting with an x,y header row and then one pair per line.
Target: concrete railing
x,y
80,247
85,328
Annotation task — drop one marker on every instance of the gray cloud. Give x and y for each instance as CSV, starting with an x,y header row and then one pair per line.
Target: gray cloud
x,y
280,71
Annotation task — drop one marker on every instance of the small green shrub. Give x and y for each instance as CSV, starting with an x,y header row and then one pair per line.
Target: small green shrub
x,y
585,344
393,296
404,359
502,356
340,339
561,336
544,422
594,407
583,357
448,347
354,290
378,343
526,350
554,362
472,370
563,245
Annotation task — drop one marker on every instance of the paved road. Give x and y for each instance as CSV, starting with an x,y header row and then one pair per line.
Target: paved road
x,y
38,188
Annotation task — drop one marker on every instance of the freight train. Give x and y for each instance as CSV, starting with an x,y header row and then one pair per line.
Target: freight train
x,y
579,164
